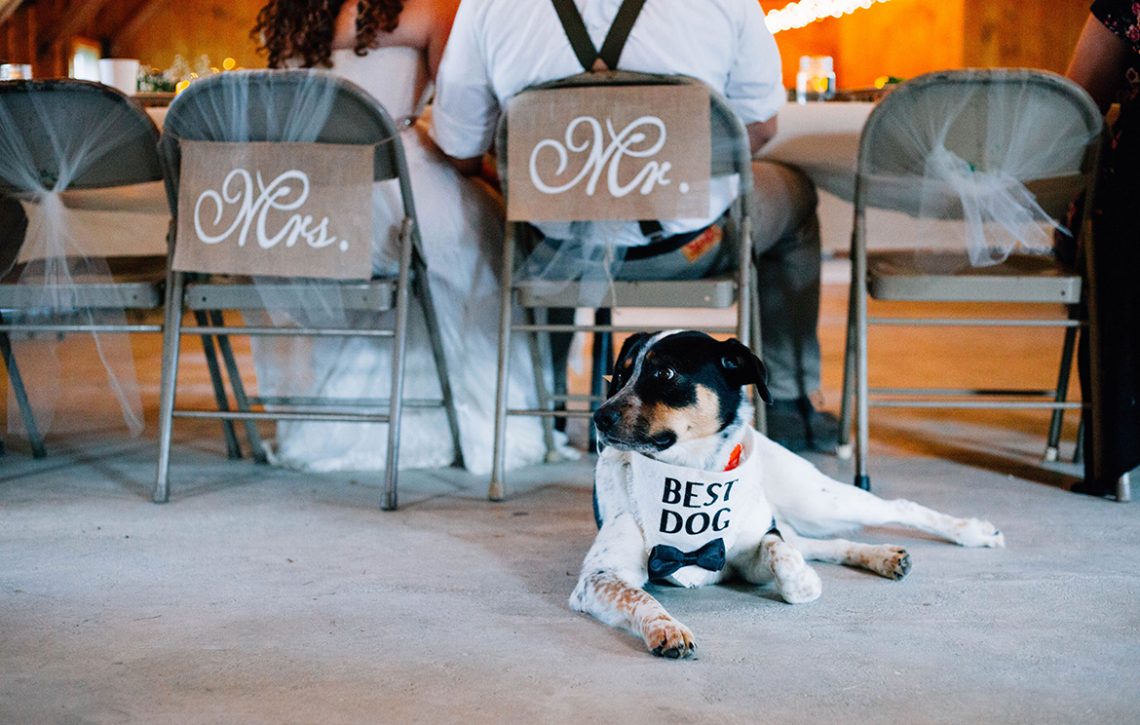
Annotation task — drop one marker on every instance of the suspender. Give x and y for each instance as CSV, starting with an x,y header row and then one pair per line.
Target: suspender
x,y
612,47
579,38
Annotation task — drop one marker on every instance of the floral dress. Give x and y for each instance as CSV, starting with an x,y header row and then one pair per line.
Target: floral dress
x,y
1116,265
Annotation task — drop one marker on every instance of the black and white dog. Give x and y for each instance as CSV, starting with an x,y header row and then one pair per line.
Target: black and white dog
x,y
688,492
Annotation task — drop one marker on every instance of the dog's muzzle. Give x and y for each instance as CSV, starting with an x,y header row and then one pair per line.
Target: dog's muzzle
x,y
614,430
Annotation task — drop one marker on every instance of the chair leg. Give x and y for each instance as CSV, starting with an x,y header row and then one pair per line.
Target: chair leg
x,y
1124,488
601,362
422,290
844,450
1051,447
399,355
755,332
35,439
242,400
1079,449
538,344
233,448
171,339
497,489
862,405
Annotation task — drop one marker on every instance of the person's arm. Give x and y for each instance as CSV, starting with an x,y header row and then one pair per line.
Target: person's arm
x,y
465,109
760,133
754,87
468,167
1099,61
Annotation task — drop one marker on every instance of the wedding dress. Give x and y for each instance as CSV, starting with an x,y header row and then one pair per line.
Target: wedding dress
x,y
461,228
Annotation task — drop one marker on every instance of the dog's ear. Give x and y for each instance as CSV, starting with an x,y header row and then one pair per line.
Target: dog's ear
x,y
741,367
625,359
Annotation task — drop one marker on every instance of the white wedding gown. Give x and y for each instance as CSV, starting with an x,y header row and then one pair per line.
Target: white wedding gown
x,y
461,229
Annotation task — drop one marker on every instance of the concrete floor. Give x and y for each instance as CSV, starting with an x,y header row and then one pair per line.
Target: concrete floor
x,y
260,595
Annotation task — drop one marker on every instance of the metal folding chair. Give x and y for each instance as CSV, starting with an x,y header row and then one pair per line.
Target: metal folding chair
x,y
353,118
89,137
730,155
890,173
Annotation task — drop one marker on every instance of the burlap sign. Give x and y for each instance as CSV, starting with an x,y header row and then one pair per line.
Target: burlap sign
x,y
608,152
278,209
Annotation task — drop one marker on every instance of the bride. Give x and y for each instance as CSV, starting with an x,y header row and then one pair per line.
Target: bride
x,y
391,49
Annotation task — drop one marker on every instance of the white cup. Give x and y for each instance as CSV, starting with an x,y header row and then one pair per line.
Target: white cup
x,y
120,73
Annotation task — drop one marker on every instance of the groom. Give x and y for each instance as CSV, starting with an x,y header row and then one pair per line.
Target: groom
x,y
497,48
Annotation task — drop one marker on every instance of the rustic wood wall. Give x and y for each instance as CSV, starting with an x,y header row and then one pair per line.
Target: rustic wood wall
x,y
901,37
40,31
214,28
907,37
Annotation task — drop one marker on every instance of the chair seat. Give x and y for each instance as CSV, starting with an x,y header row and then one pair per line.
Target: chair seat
x,y
718,292
949,277
136,283
241,293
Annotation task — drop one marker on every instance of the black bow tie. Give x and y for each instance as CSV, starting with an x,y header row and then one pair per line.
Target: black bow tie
x,y
665,559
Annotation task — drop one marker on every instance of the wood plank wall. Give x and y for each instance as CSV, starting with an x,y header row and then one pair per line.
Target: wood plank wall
x,y
907,37
215,28
154,31
901,37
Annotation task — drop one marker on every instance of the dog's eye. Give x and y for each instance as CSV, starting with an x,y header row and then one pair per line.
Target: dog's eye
x,y
664,374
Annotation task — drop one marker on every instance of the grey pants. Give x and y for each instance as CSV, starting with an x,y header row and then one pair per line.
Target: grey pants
x,y
786,243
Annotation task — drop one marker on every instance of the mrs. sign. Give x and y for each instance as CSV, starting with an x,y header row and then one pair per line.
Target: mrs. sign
x,y
608,152
278,209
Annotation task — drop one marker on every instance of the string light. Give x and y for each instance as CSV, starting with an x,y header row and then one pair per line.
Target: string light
x,y
805,12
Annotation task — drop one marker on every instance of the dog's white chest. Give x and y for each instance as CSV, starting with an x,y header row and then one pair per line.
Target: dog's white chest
x,y
684,511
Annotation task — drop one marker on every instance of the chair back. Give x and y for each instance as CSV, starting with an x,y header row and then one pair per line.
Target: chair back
x,y
60,134
1004,151
730,152
1031,126
299,105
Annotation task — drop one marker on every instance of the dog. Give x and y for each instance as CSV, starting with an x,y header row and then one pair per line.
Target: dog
x,y
687,492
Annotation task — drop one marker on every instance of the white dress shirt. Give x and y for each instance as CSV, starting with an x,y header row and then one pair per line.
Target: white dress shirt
x,y
499,47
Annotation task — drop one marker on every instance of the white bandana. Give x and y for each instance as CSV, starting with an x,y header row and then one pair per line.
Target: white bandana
x,y
687,508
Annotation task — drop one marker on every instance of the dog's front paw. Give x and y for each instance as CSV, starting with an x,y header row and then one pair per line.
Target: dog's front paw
x,y
975,532
666,637
796,581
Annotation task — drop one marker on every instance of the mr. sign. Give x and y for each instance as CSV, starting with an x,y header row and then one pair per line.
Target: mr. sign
x,y
608,152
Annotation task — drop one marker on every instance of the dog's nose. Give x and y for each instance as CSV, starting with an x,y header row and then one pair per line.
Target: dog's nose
x,y
606,418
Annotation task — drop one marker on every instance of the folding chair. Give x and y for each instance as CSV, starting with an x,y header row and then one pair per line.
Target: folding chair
x,y
730,155
71,137
276,107
1028,135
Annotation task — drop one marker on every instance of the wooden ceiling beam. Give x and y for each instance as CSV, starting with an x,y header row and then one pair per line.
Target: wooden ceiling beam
x,y
7,7
75,20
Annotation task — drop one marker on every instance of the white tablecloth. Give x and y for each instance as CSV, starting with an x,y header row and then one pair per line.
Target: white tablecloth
x,y
823,140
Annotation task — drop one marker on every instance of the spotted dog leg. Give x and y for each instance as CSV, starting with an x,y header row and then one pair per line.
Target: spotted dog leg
x,y
609,589
777,561
604,595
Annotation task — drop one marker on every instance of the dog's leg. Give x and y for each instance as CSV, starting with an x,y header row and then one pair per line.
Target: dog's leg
x,y
609,589
775,560
893,562
816,505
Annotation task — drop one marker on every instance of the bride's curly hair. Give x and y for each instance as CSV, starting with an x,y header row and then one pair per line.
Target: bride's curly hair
x,y
303,29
